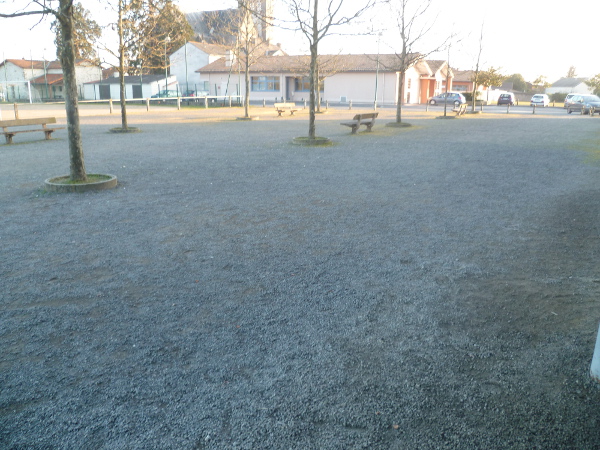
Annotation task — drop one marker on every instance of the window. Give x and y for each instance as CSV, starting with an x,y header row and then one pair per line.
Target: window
x,y
265,84
409,83
303,84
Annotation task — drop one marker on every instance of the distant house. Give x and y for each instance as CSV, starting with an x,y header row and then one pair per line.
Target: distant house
x,y
569,85
22,80
135,87
356,78
463,81
185,61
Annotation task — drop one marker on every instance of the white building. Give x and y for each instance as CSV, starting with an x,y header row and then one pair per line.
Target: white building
x,y
357,78
568,86
135,87
45,78
185,61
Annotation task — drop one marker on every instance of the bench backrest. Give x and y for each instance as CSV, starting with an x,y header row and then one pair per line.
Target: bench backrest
x,y
365,116
27,122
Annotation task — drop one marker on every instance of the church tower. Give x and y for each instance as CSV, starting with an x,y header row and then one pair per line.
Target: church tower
x,y
264,17
267,13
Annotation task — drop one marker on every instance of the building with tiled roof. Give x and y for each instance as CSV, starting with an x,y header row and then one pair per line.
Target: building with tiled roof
x,y
136,87
185,60
357,78
463,81
24,80
568,86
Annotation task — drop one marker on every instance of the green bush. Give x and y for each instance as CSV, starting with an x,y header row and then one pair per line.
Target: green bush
x,y
469,96
558,97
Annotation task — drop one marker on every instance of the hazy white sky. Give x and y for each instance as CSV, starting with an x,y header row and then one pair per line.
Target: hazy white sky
x,y
530,37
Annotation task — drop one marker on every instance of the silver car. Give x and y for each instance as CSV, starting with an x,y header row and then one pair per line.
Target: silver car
x,y
584,104
453,98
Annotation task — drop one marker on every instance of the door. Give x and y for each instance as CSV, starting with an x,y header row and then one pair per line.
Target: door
x,y
137,91
104,91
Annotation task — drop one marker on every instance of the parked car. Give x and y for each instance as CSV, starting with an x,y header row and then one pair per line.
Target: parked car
x,y
166,93
540,100
507,99
584,104
569,98
454,98
192,93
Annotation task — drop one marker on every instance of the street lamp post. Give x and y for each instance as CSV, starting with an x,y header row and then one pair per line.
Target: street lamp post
x,y
377,72
45,75
167,40
187,86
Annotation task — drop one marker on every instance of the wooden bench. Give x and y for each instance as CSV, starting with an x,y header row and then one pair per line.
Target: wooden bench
x,y
283,107
18,123
361,119
460,109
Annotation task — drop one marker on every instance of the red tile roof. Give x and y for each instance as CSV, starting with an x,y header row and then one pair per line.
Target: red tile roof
x,y
50,78
301,63
37,64
210,49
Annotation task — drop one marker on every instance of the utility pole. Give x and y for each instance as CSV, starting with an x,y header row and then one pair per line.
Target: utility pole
x,y
167,39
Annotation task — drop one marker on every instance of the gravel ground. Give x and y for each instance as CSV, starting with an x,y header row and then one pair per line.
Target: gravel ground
x,y
431,287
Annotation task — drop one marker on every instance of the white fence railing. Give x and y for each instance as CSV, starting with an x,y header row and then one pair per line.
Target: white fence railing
x,y
229,100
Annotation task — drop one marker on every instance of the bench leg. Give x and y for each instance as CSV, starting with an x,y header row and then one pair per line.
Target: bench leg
x,y
369,127
355,128
9,138
48,134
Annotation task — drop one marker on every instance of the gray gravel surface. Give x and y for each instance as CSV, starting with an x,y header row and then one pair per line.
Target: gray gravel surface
x,y
432,287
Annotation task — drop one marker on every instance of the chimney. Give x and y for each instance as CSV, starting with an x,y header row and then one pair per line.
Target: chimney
x,y
229,58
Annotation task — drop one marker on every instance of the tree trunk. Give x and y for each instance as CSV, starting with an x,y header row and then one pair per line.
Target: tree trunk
x,y
122,69
474,94
400,99
313,80
318,91
247,81
67,60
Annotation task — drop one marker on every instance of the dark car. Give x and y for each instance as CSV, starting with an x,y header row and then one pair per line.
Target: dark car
x,y
584,104
569,98
166,93
453,98
507,99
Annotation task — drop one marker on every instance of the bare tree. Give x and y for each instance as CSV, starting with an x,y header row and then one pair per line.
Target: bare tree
x,y
327,66
249,48
238,29
412,26
315,20
475,78
62,10
142,27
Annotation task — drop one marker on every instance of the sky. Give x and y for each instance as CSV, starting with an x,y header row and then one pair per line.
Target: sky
x,y
529,37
